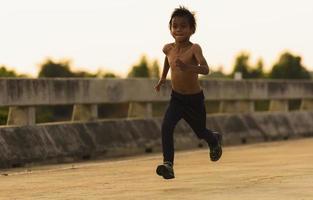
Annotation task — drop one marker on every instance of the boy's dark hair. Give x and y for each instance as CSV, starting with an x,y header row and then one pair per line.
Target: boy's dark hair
x,y
184,12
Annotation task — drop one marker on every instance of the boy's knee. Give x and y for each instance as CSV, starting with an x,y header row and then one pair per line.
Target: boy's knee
x,y
203,134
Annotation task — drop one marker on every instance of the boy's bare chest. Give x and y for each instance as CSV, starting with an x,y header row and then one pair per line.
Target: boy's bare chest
x,y
185,56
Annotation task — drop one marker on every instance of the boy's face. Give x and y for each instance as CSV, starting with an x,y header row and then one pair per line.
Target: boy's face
x,y
180,29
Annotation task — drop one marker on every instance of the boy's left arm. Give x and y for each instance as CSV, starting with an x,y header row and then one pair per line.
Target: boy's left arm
x,y
201,68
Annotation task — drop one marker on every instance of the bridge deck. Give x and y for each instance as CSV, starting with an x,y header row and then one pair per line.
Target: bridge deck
x,y
279,170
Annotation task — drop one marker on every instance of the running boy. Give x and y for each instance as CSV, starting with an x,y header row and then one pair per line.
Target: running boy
x,y
186,61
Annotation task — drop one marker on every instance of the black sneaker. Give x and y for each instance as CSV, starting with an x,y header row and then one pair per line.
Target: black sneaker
x,y
166,170
216,150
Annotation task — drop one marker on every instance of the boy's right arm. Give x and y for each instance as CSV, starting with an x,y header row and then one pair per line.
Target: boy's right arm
x,y
166,67
162,80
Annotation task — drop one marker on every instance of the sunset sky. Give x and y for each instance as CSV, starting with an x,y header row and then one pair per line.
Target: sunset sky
x,y
111,35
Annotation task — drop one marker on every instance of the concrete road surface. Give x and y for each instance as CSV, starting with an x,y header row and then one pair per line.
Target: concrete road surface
x,y
278,171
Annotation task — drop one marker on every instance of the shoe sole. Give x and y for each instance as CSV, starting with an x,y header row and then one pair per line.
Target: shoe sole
x,y
162,171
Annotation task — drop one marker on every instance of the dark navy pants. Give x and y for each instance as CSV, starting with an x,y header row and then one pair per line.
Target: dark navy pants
x,y
191,108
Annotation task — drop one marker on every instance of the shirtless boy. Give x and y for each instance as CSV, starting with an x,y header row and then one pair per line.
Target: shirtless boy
x,y
186,61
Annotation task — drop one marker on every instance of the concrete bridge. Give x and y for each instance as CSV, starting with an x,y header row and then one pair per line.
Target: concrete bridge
x,y
232,104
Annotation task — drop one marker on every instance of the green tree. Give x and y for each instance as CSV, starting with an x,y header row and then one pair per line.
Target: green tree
x,y
3,115
7,73
289,67
109,75
155,69
242,65
85,74
141,69
50,68
216,74
257,72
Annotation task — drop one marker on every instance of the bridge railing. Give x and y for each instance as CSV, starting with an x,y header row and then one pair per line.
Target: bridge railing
x,y
23,96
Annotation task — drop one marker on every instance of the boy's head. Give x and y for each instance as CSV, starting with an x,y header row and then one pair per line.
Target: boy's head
x,y
184,14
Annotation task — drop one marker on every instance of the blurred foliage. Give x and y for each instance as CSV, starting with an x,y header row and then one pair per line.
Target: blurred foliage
x,y
53,113
294,104
257,72
145,69
261,105
216,74
50,68
141,69
7,73
3,115
109,75
113,110
85,74
243,66
289,67
4,72
155,69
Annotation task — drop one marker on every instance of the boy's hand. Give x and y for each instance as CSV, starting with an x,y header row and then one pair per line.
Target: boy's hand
x,y
161,82
182,66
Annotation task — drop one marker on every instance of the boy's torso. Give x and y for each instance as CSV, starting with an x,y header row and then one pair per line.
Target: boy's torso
x,y
182,81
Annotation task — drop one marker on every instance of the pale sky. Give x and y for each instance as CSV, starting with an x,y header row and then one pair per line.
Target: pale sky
x,y
111,35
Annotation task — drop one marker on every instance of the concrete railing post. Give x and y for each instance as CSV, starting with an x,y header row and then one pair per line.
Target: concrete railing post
x,y
306,104
22,115
84,112
278,105
140,110
236,106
